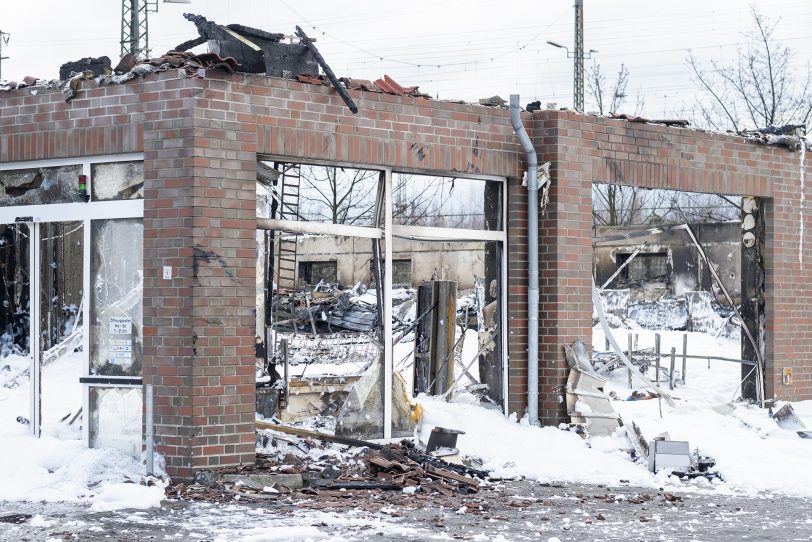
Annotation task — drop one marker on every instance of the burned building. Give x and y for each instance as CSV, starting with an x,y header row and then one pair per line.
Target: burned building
x,y
160,169
666,264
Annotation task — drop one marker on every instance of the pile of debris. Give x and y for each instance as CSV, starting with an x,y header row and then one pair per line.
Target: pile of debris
x,y
326,309
387,85
789,136
325,464
128,68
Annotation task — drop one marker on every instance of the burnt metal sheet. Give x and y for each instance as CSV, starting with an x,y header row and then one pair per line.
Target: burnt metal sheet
x,y
354,318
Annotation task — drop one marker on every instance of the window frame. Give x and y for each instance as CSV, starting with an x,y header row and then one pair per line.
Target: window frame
x,y
387,233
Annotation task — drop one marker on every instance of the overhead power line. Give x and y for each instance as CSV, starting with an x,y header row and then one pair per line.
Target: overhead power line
x,y
425,64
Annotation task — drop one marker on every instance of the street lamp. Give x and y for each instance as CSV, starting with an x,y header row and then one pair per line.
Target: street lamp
x,y
578,71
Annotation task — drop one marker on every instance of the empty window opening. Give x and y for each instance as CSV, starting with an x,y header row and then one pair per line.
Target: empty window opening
x,y
312,273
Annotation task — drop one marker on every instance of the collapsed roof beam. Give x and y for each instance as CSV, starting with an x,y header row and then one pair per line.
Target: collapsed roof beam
x,y
307,42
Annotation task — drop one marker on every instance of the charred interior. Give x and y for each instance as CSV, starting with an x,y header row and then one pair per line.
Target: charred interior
x,y
322,293
682,262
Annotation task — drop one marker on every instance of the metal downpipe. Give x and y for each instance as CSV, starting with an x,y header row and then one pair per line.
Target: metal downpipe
x,y
532,263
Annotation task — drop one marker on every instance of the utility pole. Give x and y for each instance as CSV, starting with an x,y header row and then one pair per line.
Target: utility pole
x,y
135,24
4,37
578,62
578,56
135,27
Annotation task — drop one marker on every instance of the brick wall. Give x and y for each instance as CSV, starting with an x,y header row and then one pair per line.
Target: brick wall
x,y
585,149
201,139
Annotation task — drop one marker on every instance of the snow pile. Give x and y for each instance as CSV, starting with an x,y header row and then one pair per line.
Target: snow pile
x,y
545,454
667,312
753,455
58,467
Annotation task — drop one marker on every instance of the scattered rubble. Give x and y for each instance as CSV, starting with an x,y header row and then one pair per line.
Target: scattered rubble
x,y
790,136
632,118
493,101
324,467
99,66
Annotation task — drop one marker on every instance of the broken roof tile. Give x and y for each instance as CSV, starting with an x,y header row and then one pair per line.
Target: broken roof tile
x,y
390,86
312,79
360,84
493,101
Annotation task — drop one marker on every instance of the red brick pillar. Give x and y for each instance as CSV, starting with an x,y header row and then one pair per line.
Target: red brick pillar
x,y
200,218
565,251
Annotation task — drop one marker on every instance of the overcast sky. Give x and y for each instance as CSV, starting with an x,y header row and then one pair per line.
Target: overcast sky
x,y
465,49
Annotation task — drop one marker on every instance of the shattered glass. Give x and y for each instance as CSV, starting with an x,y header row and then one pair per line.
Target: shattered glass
x,y
116,419
117,181
38,186
116,304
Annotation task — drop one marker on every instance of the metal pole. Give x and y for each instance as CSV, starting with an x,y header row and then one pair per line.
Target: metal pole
x,y
631,358
35,324
657,358
283,351
578,61
671,371
684,355
150,429
532,262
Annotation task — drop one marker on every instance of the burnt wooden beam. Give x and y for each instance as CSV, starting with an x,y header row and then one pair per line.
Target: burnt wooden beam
x,y
752,288
307,42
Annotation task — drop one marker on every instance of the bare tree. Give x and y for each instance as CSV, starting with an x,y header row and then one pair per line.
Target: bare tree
x,y
416,203
760,88
616,205
424,200
681,207
597,88
338,195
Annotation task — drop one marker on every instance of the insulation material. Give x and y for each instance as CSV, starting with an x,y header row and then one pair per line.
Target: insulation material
x,y
116,308
117,181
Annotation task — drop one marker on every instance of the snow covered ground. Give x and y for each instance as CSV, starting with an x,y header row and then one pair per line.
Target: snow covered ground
x,y
58,467
754,456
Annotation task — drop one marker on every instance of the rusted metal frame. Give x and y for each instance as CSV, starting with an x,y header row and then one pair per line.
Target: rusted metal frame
x,y
307,42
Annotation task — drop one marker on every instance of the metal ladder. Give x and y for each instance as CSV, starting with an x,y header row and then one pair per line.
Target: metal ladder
x,y
288,210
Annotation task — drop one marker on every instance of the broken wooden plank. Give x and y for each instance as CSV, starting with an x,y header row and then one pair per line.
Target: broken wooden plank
x,y
450,475
353,484
320,436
